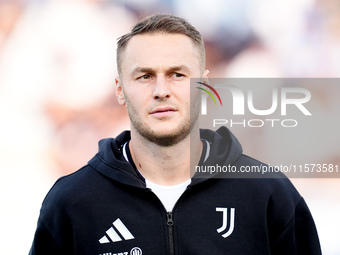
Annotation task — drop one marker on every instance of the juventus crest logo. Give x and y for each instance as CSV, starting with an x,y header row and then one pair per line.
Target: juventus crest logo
x,y
225,221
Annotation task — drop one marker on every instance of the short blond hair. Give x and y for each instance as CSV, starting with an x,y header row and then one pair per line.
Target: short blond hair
x,y
162,23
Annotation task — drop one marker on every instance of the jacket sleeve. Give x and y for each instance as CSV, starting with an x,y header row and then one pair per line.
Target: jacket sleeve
x,y
299,236
43,242
54,233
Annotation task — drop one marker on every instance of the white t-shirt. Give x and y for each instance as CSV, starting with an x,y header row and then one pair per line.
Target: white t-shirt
x,y
168,194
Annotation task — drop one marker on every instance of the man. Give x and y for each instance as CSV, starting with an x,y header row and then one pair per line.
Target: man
x,y
137,196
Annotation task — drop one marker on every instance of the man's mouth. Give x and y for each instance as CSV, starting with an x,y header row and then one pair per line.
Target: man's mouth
x,y
162,112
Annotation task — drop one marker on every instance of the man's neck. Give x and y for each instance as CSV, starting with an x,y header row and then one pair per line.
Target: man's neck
x,y
165,165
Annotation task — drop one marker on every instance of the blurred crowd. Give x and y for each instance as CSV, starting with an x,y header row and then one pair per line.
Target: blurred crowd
x,y
57,98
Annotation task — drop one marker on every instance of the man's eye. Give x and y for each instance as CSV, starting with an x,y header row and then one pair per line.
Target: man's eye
x,y
178,75
145,77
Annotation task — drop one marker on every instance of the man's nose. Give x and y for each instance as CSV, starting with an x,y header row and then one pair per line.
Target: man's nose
x,y
161,89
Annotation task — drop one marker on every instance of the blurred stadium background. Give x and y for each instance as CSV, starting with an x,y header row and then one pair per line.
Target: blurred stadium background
x,y
57,70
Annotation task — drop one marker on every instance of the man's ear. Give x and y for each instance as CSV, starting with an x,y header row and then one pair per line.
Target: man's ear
x,y
205,76
119,92
205,73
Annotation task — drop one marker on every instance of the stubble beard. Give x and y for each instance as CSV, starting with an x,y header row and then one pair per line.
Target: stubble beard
x,y
164,140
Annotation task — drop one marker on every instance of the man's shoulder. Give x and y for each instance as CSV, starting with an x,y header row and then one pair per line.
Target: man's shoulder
x,y
263,178
269,179
70,188
75,180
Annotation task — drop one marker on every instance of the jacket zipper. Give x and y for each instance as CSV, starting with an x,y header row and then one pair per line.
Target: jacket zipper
x,y
170,223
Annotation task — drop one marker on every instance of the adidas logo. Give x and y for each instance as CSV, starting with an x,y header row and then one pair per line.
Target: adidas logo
x,y
116,233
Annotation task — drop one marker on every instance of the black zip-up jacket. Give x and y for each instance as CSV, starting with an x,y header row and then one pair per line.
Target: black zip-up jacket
x,y
106,209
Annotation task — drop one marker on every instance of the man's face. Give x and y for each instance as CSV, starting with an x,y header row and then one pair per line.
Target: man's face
x,y
154,84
